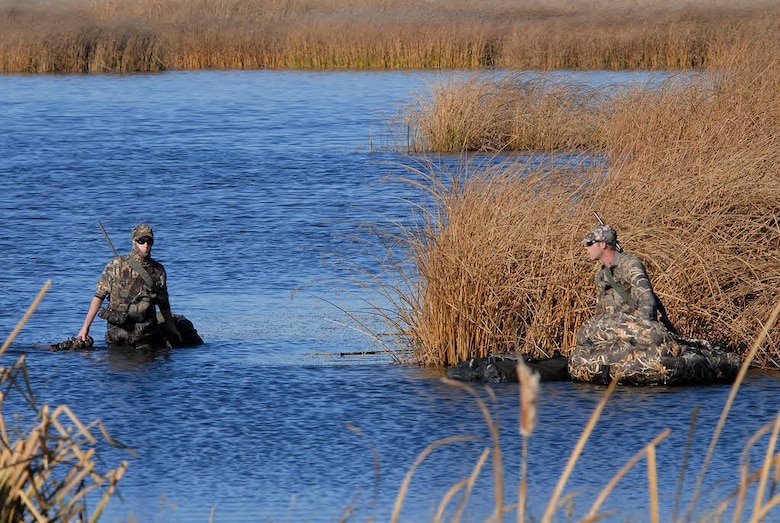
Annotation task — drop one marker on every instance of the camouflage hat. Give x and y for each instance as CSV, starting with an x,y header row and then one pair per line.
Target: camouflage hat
x,y
601,233
142,231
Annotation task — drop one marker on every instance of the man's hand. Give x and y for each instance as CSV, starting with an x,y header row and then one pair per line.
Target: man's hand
x,y
173,333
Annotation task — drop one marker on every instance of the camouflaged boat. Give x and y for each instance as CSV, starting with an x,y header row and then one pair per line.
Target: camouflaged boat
x,y
639,351
634,350
676,361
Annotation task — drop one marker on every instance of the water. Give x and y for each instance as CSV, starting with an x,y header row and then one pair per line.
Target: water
x,y
255,183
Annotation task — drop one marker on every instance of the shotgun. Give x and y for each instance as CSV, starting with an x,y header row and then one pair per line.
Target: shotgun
x,y
110,244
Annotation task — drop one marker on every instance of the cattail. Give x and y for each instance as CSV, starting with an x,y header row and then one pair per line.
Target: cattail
x,y
529,392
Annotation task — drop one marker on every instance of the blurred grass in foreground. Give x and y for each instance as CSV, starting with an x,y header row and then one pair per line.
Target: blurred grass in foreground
x,y
48,465
760,482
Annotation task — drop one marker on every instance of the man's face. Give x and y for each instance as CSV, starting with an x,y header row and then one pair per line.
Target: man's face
x,y
595,249
144,246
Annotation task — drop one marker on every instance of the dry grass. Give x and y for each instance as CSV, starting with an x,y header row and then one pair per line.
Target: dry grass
x,y
482,270
687,173
48,468
75,36
517,113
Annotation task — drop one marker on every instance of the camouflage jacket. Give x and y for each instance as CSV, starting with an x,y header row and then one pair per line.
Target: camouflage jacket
x,y
128,291
629,273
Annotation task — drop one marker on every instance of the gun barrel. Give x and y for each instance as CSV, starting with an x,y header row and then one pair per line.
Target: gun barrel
x,y
110,244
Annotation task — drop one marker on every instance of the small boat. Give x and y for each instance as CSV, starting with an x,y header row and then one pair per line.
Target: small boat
x,y
676,361
681,361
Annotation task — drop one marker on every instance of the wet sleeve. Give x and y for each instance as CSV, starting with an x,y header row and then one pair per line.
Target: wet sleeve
x,y
162,290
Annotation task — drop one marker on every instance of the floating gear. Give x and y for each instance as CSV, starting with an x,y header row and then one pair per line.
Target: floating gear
x,y
637,351
74,343
497,368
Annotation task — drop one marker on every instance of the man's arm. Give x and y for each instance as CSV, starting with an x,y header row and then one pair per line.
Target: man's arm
x,y
163,302
94,307
641,289
600,289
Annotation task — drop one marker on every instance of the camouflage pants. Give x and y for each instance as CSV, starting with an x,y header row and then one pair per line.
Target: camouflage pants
x,y
643,352
619,345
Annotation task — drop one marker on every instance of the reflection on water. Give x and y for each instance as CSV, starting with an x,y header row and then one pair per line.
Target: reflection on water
x,y
254,183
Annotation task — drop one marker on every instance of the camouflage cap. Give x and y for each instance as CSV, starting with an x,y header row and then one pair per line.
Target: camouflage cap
x,y
142,231
601,233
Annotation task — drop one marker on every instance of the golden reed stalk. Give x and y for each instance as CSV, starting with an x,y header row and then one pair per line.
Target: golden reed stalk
x,y
96,36
770,468
47,470
529,394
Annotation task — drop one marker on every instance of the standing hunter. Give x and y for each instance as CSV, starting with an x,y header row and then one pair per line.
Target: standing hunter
x,y
134,283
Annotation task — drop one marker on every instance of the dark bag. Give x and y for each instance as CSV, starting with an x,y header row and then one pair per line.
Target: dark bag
x,y
114,316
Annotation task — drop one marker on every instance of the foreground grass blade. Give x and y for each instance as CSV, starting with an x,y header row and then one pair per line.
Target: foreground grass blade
x,y
552,505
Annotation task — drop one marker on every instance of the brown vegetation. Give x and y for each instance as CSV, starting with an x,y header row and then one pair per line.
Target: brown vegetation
x,y
687,173
49,465
95,36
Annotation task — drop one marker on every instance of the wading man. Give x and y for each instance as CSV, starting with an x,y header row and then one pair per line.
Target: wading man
x,y
135,284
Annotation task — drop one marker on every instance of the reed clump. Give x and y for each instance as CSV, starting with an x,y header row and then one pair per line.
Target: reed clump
x,y
688,173
48,465
94,36
520,112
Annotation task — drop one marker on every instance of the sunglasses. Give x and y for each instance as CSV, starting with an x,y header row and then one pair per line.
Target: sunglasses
x,y
142,241
589,243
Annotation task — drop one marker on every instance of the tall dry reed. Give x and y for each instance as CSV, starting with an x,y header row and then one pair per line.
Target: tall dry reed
x,y
485,267
688,173
520,112
48,466
94,36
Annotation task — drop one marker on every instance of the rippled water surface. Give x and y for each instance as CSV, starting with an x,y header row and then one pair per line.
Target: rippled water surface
x,y
254,183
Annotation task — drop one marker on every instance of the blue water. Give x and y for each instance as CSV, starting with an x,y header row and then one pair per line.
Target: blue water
x,y
256,184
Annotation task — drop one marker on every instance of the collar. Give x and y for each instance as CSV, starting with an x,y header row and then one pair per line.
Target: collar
x,y
143,261
615,259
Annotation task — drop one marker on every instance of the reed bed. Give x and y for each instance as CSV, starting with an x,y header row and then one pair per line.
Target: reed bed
x,y
486,265
96,36
686,172
48,465
495,113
